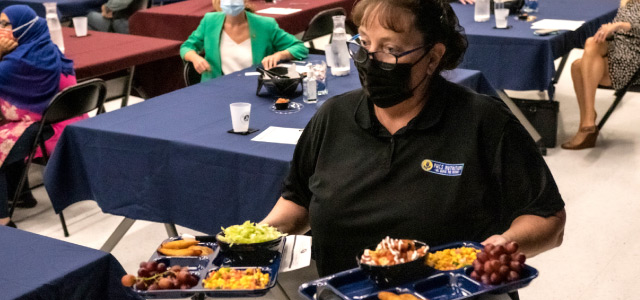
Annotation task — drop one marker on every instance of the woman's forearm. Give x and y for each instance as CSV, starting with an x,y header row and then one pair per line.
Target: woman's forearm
x,y
537,234
189,56
623,26
288,217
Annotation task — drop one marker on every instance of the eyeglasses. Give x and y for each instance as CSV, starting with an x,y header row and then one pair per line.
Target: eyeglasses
x,y
386,61
4,23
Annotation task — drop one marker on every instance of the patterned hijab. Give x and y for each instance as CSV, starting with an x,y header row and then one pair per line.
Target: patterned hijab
x,y
30,74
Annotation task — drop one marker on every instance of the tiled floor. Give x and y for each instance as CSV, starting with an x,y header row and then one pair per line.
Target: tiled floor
x,y
600,186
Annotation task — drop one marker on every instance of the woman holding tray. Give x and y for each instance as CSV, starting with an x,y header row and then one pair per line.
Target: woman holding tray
x,y
413,156
234,38
610,58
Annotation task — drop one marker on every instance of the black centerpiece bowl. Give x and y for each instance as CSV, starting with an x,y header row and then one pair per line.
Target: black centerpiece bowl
x,y
253,254
397,274
278,83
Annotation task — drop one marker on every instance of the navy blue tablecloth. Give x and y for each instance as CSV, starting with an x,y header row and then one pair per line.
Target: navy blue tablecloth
x,y
515,58
66,8
38,267
170,158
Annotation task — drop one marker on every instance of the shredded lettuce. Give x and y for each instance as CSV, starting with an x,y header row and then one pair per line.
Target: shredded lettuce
x,y
249,233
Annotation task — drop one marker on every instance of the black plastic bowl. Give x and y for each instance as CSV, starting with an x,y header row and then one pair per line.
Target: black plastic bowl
x,y
250,254
281,87
397,274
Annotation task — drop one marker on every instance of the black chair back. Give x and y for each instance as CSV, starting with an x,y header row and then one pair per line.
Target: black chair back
x,y
75,101
320,25
68,103
629,87
190,75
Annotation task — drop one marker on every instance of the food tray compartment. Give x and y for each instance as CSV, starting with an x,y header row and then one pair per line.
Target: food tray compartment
x,y
446,286
201,266
271,270
442,285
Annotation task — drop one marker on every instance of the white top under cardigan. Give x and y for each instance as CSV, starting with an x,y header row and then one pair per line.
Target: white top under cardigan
x,y
234,57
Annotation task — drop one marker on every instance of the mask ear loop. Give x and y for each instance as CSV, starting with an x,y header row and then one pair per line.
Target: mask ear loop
x,y
30,24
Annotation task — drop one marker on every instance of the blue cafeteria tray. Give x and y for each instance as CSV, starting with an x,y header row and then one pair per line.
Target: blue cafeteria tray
x,y
441,285
201,266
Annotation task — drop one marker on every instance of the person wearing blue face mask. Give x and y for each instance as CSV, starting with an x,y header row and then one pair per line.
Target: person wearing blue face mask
x,y
32,71
234,38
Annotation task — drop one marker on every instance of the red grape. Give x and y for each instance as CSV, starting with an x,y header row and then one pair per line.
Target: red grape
x,y
505,259
504,271
154,287
161,268
185,286
151,266
475,275
513,276
482,257
143,265
488,248
193,280
515,266
495,265
183,277
511,247
165,283
143,272
520,257
487,267
496,252
495,278
141,286
485,279
176,268
128,280
477,266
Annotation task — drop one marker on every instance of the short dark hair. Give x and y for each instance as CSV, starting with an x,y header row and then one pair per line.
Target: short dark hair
x,y
435,19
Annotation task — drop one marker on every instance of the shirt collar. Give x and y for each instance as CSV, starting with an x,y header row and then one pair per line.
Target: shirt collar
x,y
429,116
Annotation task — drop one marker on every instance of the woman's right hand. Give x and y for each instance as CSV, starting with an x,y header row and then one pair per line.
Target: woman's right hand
x,y
604,32
200,64
7,45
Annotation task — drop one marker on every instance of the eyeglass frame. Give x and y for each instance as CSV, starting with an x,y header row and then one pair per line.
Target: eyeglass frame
x,y
371,55
4,24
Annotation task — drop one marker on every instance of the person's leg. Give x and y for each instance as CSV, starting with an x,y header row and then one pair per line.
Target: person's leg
x,y
4,209
121,26
593,69
96,21
586,73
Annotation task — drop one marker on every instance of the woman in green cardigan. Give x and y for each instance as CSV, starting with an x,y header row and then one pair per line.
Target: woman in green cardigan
x,y
235,38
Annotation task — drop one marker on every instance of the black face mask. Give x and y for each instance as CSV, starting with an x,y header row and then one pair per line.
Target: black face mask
x,y
387,88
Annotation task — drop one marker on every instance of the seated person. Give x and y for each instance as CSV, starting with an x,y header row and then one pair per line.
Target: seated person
x,y
114,16
235,38
32,71
610,58
411,155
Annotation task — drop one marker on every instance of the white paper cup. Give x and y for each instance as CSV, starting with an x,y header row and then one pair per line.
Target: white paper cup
x,y
501,13
80,25
240,114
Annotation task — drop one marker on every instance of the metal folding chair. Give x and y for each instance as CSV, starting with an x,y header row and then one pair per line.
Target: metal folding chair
x,y
629,87
69,103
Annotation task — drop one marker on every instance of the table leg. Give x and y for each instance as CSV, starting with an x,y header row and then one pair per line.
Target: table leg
x,y
127,89
117,234
171,229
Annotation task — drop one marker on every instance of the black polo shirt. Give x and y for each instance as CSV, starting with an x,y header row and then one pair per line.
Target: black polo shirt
x,y
462,170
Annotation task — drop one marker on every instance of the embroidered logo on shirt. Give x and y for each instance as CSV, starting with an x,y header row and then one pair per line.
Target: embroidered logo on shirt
x,y
441,168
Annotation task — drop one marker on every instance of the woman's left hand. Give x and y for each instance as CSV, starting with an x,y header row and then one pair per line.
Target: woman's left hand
x,y
271,61
7,45
605,31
